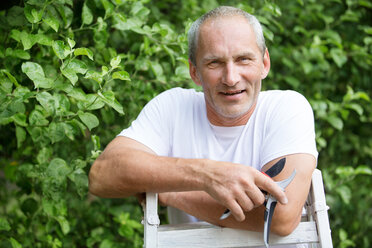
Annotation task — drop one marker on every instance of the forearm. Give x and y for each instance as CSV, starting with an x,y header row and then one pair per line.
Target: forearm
x,y
124,170
204,207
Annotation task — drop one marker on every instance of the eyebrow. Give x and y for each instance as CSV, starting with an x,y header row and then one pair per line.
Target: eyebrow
x,y
214,57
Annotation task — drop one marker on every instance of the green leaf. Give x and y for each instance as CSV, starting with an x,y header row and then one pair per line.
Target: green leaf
x,y
52,22
338,56
63,222
43,39
15,243
11,78
96,142
20,119
66,14
69,131
345,193
120,21
72,68
56,131
84,51
15,34
33,70
335,121
104,70
32,14
44,155
182,71
58,169
28,40
15,17
91,102
345,171
78,94
109,98
122,75
36,73
47,101
48,206
363,170
4,224
170,53
81,181
86,14
356,107
90,120
157,68
106,243
79,164
60,49
96,76
71,43
115,61
109,7
17,106
17,53
36,118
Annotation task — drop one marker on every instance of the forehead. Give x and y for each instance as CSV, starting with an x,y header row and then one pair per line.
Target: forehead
x,y
225,36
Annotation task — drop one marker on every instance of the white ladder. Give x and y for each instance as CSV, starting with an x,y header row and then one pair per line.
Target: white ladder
x,y
313,229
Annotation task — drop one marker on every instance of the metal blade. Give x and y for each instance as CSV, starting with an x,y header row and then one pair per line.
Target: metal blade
x,y
284,183
269,212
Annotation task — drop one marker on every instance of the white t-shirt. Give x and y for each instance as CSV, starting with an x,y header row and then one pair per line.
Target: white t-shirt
x,y
175,124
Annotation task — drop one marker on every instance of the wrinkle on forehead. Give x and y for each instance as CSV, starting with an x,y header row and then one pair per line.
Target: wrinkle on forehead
x,y
216,36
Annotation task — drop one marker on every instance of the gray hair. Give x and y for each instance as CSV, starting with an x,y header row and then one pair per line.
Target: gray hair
x,y
223,11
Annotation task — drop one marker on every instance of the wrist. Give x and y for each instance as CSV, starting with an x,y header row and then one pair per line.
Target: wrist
x,y
164,198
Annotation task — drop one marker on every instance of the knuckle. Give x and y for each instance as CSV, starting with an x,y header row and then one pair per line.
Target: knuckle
x,y
260,200
248,207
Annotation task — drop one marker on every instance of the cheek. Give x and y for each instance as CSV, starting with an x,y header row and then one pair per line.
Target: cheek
x,y
211,77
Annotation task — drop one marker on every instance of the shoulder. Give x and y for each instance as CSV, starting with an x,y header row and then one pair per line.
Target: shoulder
x,y
174,100
280,95
179,94
284,99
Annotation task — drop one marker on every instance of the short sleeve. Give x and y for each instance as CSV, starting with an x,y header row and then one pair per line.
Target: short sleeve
x,y
153,125
291,129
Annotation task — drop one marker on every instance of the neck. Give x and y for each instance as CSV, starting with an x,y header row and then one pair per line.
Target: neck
x,y
218,120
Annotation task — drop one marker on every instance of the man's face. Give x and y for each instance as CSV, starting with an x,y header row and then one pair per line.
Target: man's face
x,y
229,67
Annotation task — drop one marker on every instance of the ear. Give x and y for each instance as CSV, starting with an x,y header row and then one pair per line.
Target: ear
x,y
266,64
194,74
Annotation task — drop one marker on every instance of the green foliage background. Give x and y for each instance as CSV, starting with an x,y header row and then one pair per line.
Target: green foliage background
x,y
74,73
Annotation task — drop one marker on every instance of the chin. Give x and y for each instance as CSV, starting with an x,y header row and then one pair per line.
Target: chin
x,y
232,114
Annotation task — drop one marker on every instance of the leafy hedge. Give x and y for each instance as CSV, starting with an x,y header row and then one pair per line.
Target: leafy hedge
x,y
75,73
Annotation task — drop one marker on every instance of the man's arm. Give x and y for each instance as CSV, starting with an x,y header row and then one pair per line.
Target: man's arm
x,y
286,217
127,167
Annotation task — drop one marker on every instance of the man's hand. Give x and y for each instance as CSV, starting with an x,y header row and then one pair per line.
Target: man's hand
x,y
238,187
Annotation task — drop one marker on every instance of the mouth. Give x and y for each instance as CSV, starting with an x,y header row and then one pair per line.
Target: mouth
x,y
232,92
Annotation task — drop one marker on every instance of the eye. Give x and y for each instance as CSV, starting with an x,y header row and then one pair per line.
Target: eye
x,y
244,60
214,63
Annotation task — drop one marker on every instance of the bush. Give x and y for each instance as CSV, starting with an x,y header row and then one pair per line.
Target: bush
x,y
73,74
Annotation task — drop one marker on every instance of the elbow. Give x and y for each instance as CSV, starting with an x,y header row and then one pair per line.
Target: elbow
x,y
94,179
284,225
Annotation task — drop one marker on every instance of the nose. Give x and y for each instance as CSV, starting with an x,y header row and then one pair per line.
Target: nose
x,y
232,75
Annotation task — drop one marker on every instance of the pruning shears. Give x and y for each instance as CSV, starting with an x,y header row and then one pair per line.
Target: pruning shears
x,y
270,201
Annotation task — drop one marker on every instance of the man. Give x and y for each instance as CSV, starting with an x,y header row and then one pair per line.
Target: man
x,y
203,152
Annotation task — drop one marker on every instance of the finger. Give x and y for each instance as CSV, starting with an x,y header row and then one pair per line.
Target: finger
x,y
236,211
256,196
245,202
267,184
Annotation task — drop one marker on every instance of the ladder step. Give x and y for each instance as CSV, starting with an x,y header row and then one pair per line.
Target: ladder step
x,y
202,234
